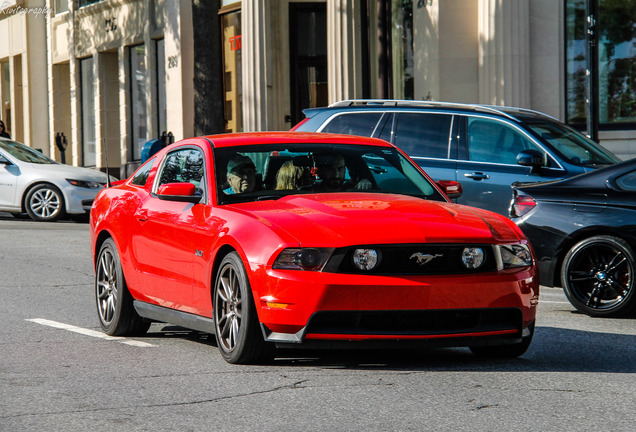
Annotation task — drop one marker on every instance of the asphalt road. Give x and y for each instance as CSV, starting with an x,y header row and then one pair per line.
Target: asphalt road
x,y
59,373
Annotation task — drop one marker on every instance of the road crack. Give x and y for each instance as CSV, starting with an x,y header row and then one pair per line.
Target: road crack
x,y
294,386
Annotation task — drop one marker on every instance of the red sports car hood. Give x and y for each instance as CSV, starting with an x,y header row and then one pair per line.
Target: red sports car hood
x,y
368,218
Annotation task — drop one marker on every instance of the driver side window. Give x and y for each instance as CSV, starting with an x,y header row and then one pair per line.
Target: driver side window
x,y
183,166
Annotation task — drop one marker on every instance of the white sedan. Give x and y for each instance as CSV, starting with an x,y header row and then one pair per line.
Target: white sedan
x,y
45,189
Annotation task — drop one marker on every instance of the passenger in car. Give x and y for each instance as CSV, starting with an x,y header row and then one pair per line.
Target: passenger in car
x,y
333,177
291,177
241,175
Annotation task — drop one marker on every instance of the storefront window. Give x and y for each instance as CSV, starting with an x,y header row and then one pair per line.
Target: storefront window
x,y
617,61
402,49
308,57
87,77
232,81
5,95
61,6
139,110
88,2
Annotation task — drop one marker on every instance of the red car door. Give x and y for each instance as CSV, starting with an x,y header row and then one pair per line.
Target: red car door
x,y
164,247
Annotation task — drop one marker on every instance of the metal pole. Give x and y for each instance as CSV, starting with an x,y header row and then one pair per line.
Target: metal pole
x,y
591,75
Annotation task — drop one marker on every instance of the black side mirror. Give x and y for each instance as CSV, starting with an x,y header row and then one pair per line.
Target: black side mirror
x,y
531,158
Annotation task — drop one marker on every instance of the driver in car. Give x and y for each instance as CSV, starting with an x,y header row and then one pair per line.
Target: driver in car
x,y
332,177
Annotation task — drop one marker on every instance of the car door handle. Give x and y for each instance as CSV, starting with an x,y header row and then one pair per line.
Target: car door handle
x,y
141,215
477,176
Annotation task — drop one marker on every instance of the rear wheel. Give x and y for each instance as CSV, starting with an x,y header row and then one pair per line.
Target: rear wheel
x,y
117,315
236,325
45,203
505,351
598,276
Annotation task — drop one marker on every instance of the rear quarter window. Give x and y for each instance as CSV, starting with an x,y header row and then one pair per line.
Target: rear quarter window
x,y
362,124
141,176
627,181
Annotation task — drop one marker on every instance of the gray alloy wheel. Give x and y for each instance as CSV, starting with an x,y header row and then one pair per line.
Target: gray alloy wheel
x,y
236,323
598,276
45,203
117,315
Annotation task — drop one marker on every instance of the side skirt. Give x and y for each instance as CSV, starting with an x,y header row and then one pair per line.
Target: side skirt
x,y
166,315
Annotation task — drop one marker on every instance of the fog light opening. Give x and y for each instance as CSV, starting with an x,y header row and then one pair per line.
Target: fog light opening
x,y
473,257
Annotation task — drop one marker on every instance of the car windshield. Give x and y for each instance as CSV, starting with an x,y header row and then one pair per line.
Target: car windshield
x,y
571,144
24,153
253,173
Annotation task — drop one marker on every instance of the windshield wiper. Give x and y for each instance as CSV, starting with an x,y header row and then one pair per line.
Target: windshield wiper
x,y
268,197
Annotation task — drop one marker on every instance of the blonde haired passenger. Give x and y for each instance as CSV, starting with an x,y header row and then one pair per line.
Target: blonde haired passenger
x,y
291,177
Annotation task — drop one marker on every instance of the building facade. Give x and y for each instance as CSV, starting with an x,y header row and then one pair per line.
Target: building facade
x,y
111,75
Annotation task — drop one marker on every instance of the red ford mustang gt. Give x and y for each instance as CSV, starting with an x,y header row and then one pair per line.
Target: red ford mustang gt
x,y
289,239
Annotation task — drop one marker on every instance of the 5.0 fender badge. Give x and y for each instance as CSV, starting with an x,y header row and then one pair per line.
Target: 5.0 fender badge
x,y
422,259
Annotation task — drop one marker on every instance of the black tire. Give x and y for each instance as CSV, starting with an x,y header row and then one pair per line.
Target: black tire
x,y
115,310
597,276
236,325
505,351
45,203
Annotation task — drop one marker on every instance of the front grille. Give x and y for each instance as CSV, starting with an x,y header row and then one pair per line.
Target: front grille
x,y
403,259
415,322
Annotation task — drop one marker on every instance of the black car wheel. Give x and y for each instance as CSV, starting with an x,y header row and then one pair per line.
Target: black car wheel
x,y
598,276
45,203
117,315
505,351
238,335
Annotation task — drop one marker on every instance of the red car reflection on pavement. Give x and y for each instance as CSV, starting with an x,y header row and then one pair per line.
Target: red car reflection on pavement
x,y
289,239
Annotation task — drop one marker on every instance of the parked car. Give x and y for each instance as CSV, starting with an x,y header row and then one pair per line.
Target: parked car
x,y
583,230
45,189
201,238
485,148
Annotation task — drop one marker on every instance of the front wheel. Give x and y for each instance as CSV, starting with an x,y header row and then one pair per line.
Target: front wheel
x,y
598,276
117,315
45,203
236,323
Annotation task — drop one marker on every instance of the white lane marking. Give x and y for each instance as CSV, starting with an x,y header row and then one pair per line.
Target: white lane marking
x,y
88,332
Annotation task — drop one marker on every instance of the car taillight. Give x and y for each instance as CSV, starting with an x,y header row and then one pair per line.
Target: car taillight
x,y
522,205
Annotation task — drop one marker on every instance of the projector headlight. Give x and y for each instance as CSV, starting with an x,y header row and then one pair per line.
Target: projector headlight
x,y
365,259
473,257
514,255
302,259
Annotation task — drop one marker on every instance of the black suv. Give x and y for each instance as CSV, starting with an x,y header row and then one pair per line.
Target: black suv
x,y
486,148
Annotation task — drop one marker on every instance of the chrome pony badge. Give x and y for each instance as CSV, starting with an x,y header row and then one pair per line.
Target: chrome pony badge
x,y
422,259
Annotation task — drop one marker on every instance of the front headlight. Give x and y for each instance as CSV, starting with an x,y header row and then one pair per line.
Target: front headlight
x,y
84,183
302,259
513,256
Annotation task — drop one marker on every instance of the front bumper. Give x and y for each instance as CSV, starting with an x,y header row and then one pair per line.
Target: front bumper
x,y
78,200
310,308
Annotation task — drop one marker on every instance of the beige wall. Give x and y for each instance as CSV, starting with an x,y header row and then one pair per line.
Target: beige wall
x,y
485,51
105,31
23,48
